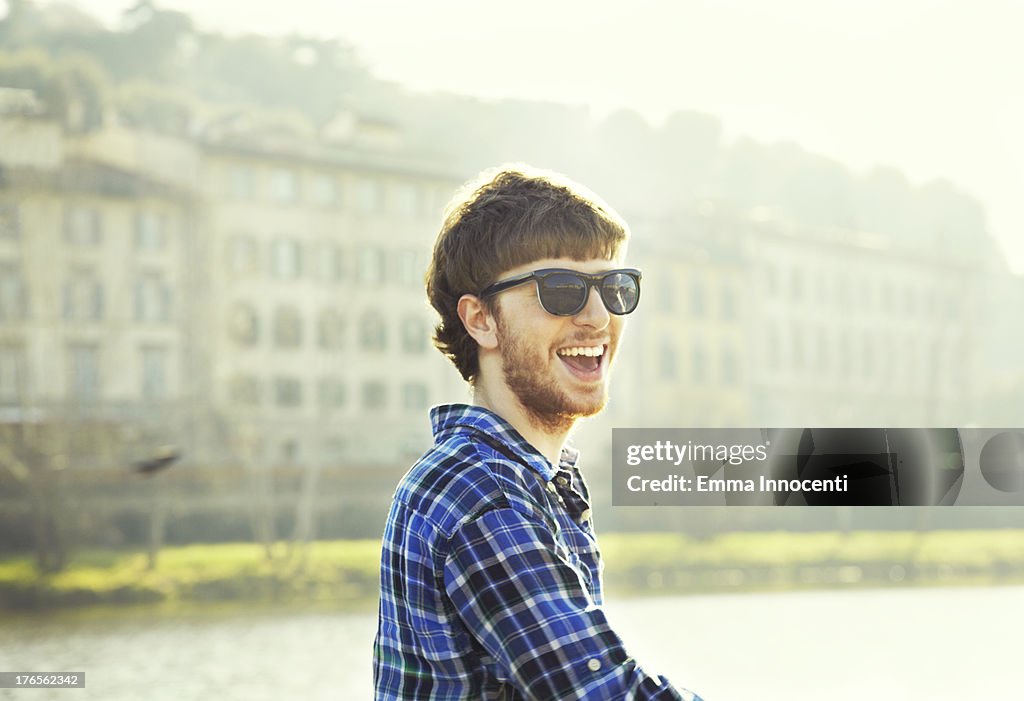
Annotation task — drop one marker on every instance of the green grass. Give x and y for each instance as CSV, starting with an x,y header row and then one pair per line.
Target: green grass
x,y
345,572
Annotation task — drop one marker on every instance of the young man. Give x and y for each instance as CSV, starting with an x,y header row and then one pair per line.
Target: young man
x,y
490,571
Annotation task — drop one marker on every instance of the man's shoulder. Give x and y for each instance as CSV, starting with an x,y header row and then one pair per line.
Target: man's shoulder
x,y
462,477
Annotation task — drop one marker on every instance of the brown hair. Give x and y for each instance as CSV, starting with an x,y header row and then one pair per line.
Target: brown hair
x,y
506,218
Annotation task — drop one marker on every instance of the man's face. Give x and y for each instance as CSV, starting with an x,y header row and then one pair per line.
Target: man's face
x,y
557,366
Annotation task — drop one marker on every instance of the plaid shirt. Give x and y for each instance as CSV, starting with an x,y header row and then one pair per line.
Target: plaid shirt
x,y
491,577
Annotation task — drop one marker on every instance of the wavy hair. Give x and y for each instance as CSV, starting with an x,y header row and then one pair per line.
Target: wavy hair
x,y
506,218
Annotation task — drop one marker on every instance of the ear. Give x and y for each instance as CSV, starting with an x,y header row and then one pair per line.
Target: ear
x,y
478,322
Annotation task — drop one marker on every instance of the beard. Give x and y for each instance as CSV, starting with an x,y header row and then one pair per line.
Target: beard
x,y
528,375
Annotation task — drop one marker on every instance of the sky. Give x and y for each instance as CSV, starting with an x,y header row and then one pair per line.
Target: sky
x,y
931,87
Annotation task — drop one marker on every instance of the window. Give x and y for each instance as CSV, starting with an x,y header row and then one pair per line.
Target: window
x,y
369,196
374,395
771,280
82,226
865,294
331,393
796,285
284,186
699,369
698,305
324,191
287,327
154,372
442,196
83,296
335,448
331,330
373,334
844,345
244,324
820,289
666,295
868,355
371,266
823,349
728,303
243,254
773,352
890,357
667,360
10,222
150,231
84,380
286,258
797,341
406,200
245,390
13,300
950,306
331,262
414,336
288,392
152,298
931,303
13,378
290,450
910,301
241,183
409,273
414,396
844,293
729,370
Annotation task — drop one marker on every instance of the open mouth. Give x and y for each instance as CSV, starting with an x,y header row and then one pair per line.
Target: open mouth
x,y
584,361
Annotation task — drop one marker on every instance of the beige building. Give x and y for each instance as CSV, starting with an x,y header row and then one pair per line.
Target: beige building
x,y
746,320
256,295
319,347
684,361
850,328
92,294
259,295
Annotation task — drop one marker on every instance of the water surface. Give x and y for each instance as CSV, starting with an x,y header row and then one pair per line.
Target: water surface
x,y
904,645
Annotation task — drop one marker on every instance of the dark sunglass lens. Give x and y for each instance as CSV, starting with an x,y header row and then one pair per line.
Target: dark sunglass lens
x,y
562,293
620,293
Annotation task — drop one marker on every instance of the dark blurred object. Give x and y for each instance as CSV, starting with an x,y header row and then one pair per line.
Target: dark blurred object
x,y
164,457
884,466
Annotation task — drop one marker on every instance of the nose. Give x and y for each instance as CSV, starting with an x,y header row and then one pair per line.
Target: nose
x,y
594,313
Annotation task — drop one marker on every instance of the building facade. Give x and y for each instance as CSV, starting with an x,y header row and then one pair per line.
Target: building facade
x,y
258,302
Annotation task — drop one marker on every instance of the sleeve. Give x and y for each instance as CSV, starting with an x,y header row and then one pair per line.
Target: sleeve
x,y
531,611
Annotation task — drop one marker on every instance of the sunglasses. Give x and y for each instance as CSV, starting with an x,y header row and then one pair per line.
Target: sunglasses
x,y
565,292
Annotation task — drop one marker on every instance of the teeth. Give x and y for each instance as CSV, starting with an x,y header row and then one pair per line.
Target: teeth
x,y
582,350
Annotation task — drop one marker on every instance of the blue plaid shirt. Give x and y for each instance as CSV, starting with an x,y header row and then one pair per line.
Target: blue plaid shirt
x,y
491,577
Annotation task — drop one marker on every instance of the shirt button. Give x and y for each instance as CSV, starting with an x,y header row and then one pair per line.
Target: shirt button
x,y
552,488
562,481
585,516
594,664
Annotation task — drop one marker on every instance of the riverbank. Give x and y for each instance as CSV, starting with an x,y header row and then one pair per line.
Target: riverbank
x,y
344,573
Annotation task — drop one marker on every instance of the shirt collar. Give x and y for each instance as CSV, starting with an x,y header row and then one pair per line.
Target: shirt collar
x,y
450,418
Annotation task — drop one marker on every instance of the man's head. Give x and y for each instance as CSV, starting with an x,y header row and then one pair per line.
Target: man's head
x,y
516,221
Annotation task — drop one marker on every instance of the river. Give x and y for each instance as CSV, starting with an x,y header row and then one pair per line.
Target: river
x,y
903,645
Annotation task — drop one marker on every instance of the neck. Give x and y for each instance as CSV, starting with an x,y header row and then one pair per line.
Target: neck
x,y
546,434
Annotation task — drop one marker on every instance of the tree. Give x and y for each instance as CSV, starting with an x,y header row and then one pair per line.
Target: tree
x,y
72,90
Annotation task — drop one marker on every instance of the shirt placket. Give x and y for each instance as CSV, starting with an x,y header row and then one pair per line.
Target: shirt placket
x,y
575,504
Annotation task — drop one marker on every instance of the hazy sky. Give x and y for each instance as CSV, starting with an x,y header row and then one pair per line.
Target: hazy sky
x,y
930,86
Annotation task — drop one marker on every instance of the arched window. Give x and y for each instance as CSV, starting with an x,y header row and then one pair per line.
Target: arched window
x,y
287,327
244,324
331,330
414,336
373,333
